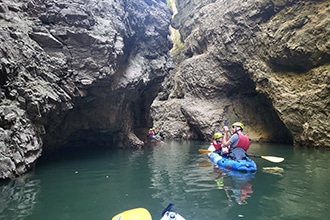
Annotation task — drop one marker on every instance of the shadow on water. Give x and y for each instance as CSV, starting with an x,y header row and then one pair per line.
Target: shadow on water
x,y
20,197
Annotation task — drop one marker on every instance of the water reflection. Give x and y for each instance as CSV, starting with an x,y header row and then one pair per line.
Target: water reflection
x,y
302,191
99,185
273,170
237,185
165,163
18,197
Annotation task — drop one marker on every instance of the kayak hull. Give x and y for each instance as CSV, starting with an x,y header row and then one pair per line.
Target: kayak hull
x,y
246,166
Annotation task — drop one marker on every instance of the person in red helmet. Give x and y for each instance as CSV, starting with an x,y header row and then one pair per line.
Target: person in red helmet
x,y
237,145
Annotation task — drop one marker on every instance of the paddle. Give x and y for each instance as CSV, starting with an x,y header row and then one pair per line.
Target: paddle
x,y
269,158
204,151
167,209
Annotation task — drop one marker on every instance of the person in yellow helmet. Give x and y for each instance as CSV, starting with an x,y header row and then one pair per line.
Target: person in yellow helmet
x,y
216,144
237,144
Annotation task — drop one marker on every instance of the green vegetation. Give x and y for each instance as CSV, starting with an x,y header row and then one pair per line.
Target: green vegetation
x,y
176,39
175,34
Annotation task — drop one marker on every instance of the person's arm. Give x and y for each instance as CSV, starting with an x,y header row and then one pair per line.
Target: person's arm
x,y
226,135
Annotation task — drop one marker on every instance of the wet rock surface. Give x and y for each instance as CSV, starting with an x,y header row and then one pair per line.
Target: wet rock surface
x,y
264,63
71,69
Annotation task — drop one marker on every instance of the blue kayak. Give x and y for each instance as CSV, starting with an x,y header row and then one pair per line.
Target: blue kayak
x,y
247,165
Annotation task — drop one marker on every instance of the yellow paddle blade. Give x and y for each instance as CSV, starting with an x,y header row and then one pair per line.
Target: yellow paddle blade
x,y
273,159
134,214
204,151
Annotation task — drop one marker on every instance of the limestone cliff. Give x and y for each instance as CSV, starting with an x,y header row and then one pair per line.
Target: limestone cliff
x,y
82,69
263,62
90,70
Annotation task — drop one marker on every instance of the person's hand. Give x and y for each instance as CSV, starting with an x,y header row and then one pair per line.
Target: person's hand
x,y
225,150
225,128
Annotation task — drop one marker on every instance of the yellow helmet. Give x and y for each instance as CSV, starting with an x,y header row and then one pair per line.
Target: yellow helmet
x,y
238,124
217,135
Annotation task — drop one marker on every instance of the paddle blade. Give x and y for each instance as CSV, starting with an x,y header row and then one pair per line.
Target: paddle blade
x,y
204,151
273,159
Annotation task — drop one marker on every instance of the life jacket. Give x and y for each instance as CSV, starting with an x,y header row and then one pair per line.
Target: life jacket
x,y
216,145
243,142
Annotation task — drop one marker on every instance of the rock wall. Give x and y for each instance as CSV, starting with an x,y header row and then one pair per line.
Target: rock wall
x,y
262,62
82,69
89,70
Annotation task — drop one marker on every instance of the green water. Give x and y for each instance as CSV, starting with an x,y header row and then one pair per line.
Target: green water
x,y
98,185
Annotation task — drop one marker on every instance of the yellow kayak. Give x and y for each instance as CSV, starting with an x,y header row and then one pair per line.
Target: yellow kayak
x,y
134,214
144,214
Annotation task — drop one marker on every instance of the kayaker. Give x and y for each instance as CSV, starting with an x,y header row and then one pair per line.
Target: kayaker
x,y
216,144
237,145
155,135
152,133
